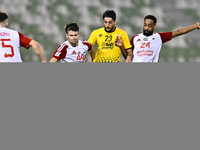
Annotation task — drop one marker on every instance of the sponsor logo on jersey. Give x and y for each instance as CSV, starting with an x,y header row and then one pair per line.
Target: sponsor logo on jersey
x,y
153,38
108,45
145,53
100,35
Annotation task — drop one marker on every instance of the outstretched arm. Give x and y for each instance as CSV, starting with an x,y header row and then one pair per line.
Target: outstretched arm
x,y
38,50
185,30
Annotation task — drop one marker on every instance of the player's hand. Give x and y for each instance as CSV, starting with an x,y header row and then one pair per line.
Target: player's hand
x,y
119,41
86,59
198,25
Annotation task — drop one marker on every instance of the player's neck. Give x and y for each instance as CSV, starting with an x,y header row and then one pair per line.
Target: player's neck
x,y
73,44
2,26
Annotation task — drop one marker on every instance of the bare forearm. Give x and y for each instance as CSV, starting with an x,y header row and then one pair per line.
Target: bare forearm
x,y
92,53
129,56
38,50
185,30
53,59
40,53
124,52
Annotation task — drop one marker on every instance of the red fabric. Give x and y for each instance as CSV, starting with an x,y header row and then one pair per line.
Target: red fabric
x,y
165,36
24,41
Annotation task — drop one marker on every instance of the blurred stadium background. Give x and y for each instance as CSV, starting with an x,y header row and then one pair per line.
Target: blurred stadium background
x,y
44,21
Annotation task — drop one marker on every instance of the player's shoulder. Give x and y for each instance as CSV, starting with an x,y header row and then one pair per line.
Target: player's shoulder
x,y
85,42
62,46
8,30
119,29
66,43
136,35
164,33
99,30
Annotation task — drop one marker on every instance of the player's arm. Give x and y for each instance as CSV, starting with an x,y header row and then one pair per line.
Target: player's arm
x,y
38,50
53,59
92,39
185,30
85,59
129,55
92,53
119,42
60,53
27,42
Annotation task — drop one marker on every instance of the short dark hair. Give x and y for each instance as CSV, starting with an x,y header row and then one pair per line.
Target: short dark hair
x,y
3,16
110,14
152,18
73,26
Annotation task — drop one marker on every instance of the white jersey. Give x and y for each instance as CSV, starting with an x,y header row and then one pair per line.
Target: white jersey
x,y
147,48
67,53
10,42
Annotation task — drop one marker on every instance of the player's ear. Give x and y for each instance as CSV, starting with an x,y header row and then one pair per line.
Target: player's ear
x,y
66,35
7,23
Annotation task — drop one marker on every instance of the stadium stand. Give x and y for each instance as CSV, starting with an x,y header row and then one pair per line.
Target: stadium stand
x,y
44,20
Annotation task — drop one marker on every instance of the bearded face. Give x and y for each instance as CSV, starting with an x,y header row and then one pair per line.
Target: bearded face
x,y
149,27
147,33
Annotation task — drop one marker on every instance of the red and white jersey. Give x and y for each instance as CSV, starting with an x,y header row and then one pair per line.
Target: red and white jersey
x,y
67,53
147,48
10,42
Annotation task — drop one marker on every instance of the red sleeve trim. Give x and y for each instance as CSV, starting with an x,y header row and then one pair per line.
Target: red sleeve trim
x,y
60,52
131,41
24,41
88,44
165,36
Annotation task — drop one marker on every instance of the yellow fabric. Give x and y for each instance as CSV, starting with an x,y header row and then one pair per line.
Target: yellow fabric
x,y
107,50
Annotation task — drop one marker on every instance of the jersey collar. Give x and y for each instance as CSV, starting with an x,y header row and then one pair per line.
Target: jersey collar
x,y
109,31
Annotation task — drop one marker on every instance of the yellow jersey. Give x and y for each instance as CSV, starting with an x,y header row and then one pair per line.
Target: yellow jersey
x,y
107,51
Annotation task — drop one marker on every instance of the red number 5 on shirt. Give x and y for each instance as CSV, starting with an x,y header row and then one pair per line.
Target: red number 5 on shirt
x,y
7,46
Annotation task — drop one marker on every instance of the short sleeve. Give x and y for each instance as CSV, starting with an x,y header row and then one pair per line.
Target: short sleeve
x,y
93,38
89,45
126,42
165,36
60,52
131,41
24,41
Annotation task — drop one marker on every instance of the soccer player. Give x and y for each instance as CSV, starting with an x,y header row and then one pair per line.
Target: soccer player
x,y
111,41
73,50
11,40
146,46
